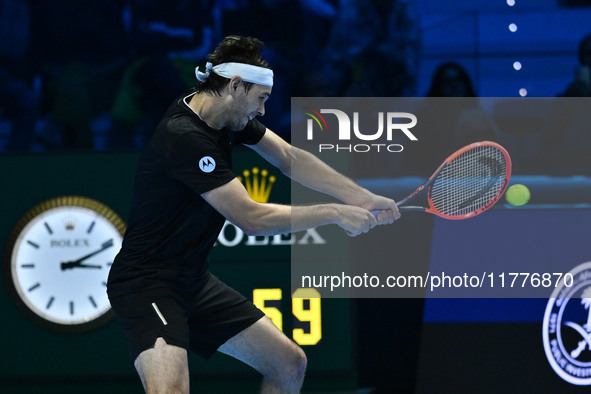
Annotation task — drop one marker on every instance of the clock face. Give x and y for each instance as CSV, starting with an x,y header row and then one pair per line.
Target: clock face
x,y
60,260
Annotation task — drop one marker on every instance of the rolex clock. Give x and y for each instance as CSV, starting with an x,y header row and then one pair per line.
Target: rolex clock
x,y
57,262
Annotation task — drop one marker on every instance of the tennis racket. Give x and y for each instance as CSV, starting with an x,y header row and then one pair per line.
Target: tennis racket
x,y
469,182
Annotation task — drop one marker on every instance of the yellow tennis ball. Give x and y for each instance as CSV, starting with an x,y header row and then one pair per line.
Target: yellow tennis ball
x,y
517,195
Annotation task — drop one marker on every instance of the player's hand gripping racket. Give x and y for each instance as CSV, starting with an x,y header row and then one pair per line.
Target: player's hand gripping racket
x,y
469,182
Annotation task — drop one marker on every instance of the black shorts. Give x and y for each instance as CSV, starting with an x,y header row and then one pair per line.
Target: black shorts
x,y
200,322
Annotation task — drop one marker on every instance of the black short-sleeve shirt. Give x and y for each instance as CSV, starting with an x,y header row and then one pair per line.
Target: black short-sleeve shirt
x,y
171,228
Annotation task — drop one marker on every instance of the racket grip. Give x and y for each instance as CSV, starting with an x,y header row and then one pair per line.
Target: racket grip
x,y
376,212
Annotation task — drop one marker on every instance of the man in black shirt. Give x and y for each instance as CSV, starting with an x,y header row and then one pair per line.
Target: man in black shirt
x,y
159,285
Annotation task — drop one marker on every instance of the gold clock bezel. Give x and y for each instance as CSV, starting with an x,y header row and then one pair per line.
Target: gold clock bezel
x,y
62,201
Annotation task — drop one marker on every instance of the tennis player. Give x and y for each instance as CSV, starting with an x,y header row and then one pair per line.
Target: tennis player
x,y
159,285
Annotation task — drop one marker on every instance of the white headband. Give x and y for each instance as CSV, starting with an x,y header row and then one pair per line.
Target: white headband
x,y
248,72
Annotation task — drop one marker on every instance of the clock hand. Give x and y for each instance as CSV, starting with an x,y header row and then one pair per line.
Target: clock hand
x,y
88,266
78,263
73,264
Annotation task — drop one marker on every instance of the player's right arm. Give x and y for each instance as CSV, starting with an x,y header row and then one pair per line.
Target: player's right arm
x,y
234,203
308,170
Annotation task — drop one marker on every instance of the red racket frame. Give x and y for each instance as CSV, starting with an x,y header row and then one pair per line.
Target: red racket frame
x,y
429,182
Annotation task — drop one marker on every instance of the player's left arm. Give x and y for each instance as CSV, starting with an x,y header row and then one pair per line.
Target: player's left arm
x,y
308,170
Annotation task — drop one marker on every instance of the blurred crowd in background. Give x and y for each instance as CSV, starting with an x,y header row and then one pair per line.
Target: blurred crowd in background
x,y
99,74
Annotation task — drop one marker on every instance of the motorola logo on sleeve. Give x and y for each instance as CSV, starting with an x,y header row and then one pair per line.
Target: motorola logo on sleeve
x,y
207,164
567,327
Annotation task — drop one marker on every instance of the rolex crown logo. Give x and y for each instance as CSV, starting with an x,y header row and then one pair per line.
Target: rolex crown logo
x,y
258,184
69,223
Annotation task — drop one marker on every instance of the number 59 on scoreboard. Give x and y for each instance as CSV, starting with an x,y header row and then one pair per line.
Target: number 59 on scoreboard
x,y
305,306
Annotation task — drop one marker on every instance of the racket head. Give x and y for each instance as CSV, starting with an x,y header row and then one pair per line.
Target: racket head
x,y
470,181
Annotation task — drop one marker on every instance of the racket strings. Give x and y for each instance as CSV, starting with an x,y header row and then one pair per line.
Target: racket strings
x,y
470,181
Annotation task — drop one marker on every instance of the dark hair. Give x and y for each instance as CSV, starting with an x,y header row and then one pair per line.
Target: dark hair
x,y
439,80
233,49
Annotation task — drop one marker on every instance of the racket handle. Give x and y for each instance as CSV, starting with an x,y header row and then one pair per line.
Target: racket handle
x,y
401,209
